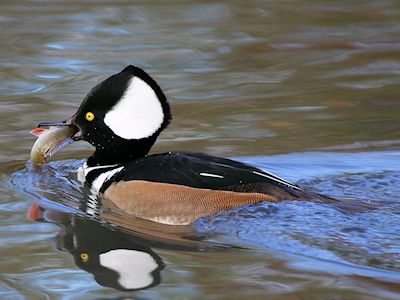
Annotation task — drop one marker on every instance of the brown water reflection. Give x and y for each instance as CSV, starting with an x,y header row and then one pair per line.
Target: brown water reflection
x,y
244,79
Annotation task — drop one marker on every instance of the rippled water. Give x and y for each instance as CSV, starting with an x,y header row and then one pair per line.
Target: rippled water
x,y
309,91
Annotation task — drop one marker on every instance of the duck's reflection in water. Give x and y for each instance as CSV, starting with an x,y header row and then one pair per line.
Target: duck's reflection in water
x,y
114,257
118,256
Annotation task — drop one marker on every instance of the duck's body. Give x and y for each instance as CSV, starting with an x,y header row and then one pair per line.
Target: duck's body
x,y
122,117
179,187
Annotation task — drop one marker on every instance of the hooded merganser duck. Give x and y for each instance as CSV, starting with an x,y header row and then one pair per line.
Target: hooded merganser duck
x,y
122,118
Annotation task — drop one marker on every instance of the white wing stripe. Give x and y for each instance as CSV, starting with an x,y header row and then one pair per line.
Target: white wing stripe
x,y
277,179
211,175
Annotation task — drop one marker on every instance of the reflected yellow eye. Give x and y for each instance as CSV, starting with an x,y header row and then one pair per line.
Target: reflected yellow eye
x,y
84,257
89,116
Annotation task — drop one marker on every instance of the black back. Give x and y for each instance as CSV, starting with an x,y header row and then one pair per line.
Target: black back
x,y
196,170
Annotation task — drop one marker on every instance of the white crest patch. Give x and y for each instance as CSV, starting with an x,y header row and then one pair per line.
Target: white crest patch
x,y
134,267
138,114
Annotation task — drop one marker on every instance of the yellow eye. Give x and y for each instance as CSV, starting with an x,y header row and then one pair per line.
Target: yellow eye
x,y
84,257
89,116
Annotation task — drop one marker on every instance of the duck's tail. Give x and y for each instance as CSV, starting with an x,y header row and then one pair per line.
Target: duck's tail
x,y
345,205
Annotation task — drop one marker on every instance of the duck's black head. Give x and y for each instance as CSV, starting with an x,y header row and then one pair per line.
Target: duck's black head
x,y
122,117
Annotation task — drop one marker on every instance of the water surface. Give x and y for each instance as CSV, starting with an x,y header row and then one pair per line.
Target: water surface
x,y
307,91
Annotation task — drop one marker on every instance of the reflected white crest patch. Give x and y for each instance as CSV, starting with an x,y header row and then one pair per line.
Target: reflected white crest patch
x,y
138,114
134,267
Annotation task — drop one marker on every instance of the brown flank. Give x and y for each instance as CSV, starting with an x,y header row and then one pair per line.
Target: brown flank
x,y
175,204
